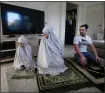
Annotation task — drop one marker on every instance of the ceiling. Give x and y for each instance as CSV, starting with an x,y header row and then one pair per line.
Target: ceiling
x,y
87,3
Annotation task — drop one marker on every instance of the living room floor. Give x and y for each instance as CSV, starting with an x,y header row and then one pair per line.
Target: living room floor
x,y
22,87
68,51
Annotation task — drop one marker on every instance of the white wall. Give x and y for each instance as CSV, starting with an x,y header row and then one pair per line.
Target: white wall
x,y
53,14
62,22
81,17
56,14
95,19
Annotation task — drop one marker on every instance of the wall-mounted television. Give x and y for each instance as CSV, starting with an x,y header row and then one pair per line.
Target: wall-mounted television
x,y
20,20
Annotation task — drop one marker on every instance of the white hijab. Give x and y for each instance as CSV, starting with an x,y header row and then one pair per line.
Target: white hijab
x,y
23,55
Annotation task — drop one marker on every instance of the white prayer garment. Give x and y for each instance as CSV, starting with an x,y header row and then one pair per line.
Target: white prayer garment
x,y
50,55
23,55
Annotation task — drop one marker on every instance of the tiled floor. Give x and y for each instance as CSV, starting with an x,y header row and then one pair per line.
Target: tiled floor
x,y
68,51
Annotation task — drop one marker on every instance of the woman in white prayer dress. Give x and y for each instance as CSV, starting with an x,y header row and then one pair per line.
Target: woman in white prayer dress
x,y
50,55
23,56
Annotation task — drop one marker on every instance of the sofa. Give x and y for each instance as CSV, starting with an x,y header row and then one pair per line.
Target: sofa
x,y
100,47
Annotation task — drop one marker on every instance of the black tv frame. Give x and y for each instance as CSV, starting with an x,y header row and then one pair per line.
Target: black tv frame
x,y
36,16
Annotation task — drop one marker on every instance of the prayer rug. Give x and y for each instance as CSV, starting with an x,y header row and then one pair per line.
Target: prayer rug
x,y
71,77
93,73
18,74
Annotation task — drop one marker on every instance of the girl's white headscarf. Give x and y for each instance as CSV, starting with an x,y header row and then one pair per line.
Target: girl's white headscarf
x,y
48,30
53,38
23,40
23,55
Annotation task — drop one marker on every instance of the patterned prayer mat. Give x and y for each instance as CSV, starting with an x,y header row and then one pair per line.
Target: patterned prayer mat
x,y
70,77
18,74
94,74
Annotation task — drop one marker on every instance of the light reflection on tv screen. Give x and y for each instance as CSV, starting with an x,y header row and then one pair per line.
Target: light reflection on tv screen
x,y
17,21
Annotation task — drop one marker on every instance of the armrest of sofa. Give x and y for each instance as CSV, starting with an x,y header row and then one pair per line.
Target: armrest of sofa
x,y
100,47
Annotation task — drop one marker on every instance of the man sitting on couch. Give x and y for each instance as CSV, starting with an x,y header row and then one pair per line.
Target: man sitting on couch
x,y
82,56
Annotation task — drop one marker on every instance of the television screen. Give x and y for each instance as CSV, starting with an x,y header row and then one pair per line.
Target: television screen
x,y
19,20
